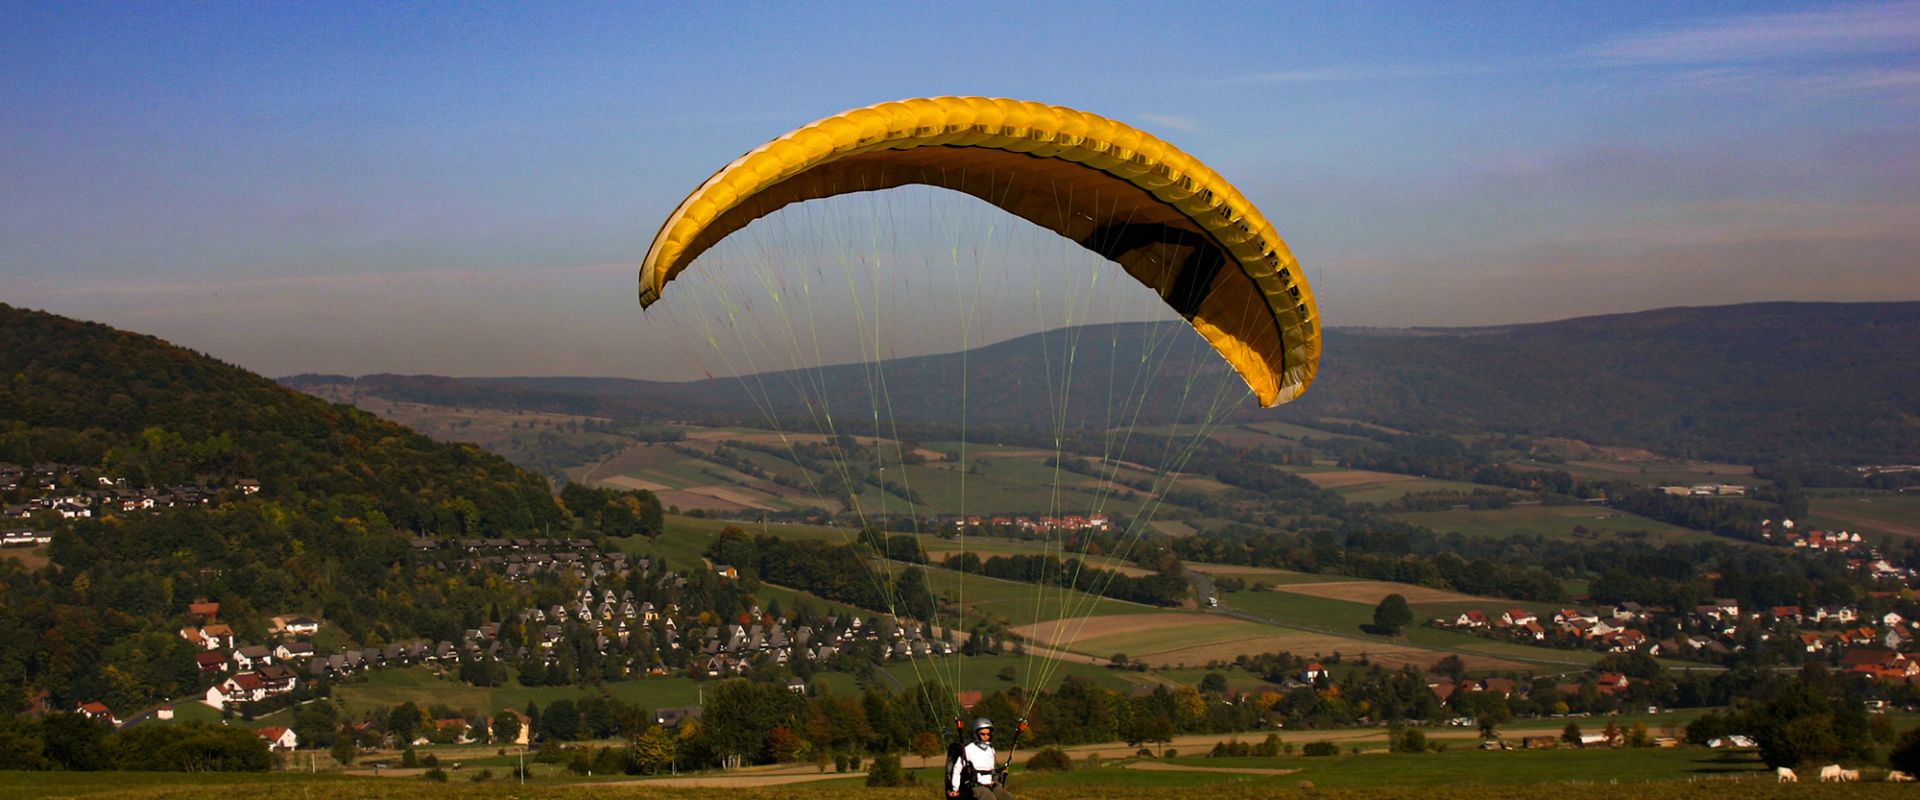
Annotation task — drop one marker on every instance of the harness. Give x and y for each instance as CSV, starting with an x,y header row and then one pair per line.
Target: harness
x,y
957,751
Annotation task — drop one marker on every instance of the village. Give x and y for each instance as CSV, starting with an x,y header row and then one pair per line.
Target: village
x,y
1845,636
65,491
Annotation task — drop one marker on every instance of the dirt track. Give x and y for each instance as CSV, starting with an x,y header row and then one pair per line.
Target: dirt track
x,y
1372,592
1084,628
1161,766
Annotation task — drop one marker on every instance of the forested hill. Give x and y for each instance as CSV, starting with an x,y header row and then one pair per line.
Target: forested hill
x,y
105,421
138,408
1825,382
1829,382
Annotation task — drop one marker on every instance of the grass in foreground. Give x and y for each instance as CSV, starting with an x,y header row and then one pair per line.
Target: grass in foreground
x,y
1568,774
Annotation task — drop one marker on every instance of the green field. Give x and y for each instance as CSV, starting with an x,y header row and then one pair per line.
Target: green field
x,y
1388,491
1550,521
1873,514
385,688
1347,619
1159,640
1649,473
1461,773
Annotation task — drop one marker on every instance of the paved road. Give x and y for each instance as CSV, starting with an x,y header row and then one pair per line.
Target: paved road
x,y
1202,586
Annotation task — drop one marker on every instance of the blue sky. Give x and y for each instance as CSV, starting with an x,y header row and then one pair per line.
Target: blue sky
x,y
466,188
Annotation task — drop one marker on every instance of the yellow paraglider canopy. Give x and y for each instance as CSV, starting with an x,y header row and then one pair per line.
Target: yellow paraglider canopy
x,y
1171,222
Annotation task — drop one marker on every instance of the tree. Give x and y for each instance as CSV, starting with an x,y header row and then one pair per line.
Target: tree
x,y
1392,614
926,744
343,750
561,721
1571,734
654,749
1905,755
506,727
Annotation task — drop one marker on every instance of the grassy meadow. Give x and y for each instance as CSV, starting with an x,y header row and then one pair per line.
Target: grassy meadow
x,y
1552,522
1459,774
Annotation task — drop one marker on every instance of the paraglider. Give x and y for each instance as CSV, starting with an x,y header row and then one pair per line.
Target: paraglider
x,y
972,771
1192,245
1173,224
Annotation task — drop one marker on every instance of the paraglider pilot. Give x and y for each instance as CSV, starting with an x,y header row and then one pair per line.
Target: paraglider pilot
x,y
973,775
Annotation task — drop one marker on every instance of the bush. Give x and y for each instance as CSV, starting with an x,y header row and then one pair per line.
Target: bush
x,y
1144,753
1050,759
429,760
1411,740
1905,755
408,759
1321,749
1268,748
437,775
885,771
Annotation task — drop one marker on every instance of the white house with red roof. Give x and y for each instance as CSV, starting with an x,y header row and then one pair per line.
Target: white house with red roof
x,y
278,738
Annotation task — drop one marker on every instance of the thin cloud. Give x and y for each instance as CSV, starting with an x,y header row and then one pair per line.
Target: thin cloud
x,y
1837,31
1168,121
1354,74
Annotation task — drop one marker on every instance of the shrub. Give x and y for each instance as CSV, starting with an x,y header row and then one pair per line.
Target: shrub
x,y
429,760
885,771
1321,749
1144,753
1905,755
436,775
1411,740
1050,759
1268,748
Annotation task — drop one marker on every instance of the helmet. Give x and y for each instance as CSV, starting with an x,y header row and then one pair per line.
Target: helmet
x,y
982,724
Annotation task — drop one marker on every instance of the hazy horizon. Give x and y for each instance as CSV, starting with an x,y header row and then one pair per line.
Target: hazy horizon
x,y
444,189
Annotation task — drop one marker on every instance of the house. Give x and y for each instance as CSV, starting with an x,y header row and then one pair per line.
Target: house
x,y
302,626
98,711
1471,619
1785,614
456,727
1844,615
287,651
210,661
1314,671
252,657
726,571
1571,616
1518,617
526,726
672,717
278,738
244,687
247,485
1611,682
1877,663
1898,638
216,636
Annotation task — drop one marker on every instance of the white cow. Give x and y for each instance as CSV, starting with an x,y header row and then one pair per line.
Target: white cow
x,y
1897,776
1830,772
1850,775
1785,775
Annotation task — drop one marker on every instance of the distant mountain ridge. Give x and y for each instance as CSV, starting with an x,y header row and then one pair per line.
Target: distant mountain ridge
x,y
1826,382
